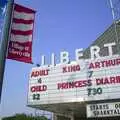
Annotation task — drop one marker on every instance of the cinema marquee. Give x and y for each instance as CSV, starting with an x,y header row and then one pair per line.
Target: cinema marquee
x,y
88,86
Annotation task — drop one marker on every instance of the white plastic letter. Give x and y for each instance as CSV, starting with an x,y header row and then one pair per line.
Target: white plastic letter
x,y
94,50
109,45
53,59
42,60
79,54
64,57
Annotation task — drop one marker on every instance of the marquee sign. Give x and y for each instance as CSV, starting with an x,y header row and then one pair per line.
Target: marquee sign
x,y
84,80
103,110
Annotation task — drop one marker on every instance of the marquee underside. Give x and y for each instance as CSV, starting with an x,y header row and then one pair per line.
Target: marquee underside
x,y
77,108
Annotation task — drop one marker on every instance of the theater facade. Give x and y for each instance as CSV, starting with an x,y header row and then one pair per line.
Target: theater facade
x,y
85,88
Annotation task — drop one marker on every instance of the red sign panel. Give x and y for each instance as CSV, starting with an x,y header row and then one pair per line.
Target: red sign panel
x,y
20,44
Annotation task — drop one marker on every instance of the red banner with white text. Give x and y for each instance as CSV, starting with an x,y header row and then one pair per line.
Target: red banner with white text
x,y
21,35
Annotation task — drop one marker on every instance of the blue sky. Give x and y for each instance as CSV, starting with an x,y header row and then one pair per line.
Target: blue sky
x,y
59,25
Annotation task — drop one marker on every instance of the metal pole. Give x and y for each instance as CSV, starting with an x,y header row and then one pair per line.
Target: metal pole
x,y
115,26
112,8
4,41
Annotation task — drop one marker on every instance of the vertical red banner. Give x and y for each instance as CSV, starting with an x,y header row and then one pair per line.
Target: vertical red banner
x,y
21,36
